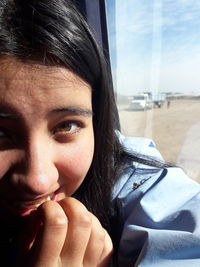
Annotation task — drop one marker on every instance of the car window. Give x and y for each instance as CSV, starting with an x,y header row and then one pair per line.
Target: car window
x,y
155,58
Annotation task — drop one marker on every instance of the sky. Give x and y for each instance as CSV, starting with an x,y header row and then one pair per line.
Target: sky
x,y
155,45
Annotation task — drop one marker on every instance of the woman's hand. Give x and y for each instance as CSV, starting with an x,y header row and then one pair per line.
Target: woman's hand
x,y
70,236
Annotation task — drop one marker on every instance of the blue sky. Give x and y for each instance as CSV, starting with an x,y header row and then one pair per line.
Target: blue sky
x,y
157,45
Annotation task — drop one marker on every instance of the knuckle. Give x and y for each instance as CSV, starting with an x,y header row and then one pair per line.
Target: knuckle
x,y
58,221
77,212
53,215
84,219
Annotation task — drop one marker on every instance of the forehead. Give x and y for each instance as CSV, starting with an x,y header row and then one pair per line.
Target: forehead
x,y
27,88
28,77
13,70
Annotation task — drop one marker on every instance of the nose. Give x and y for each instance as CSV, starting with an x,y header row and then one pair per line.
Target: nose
x,y
37,174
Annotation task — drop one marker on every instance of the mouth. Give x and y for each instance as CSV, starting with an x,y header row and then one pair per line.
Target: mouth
x,y
24,208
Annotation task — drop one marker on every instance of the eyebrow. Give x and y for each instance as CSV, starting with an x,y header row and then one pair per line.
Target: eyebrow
x,y
6,115
69,110
74,111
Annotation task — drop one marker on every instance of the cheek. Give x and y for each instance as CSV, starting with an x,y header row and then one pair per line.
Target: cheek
x,y
73,166
7,160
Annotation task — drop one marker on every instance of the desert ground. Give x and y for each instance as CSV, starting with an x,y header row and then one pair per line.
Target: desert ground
x,y
174,129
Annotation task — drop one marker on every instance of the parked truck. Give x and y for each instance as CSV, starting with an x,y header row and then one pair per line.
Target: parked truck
x,y
147,100
140,102
157,100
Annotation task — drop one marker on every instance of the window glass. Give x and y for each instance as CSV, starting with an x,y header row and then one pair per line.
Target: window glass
x,y
155,57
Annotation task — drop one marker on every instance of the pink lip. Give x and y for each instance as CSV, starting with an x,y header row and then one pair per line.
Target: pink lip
x,y
24,208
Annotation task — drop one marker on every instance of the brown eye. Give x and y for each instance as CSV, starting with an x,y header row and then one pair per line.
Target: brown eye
x,y
68,127
3,134
6,139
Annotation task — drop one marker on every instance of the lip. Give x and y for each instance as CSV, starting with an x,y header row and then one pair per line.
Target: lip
x,y
25,207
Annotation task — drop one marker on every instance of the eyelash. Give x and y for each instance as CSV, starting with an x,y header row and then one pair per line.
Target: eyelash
x,y
61,128
3,133
5,137
64,129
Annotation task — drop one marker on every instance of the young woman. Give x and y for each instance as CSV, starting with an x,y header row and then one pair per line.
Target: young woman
x,y
73,191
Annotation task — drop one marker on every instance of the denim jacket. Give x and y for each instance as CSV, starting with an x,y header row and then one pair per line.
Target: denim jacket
x,y
159,213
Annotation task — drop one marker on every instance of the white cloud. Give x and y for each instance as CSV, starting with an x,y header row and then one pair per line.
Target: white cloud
x,y
161,34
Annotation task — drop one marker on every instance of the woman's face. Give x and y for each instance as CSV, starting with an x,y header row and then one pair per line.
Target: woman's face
x,y
46,134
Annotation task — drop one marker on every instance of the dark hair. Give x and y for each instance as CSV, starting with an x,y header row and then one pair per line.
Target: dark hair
x,y
53,32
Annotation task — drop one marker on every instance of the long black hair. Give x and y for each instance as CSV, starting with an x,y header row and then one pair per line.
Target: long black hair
x,y
53,32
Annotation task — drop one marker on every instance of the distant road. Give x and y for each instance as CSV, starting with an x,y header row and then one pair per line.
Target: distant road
x,y
175,130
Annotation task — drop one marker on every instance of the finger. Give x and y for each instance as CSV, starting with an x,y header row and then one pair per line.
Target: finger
x,y
51,237
78,233
96,244
27,238
29,232
106,255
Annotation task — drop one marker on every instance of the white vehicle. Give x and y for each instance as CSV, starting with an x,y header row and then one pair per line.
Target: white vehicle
x,y
157,100
140,102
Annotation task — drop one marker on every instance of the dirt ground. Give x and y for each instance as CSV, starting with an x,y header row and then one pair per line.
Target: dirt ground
x,y
174,129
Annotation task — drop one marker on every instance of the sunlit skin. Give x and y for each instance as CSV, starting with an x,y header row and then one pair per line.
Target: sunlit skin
x,y
46,149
